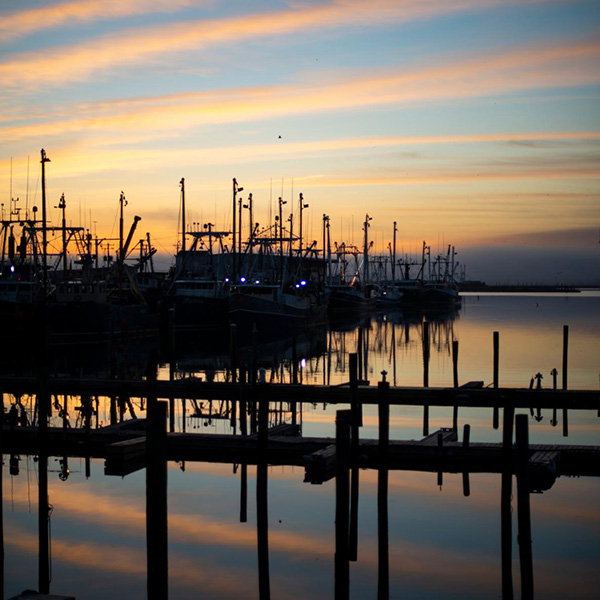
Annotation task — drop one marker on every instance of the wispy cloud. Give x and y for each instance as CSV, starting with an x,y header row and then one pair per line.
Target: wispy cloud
x,y
24,22
455,78
130,47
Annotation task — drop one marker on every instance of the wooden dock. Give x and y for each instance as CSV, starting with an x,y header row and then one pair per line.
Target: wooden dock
x,y
194,388
124,450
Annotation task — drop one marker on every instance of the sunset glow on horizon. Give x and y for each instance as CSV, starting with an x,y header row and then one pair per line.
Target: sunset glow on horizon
x,y
475,124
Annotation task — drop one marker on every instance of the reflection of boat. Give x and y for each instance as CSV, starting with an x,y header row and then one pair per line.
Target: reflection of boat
x,y
271,308
214,354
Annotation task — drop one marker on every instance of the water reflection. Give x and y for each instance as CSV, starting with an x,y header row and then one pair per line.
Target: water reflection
x,y
413,538
107,536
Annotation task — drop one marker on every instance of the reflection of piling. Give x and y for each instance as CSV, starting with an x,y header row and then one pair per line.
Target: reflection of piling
x,y
156,496
262,515
524,516
426,375
505,501
43,526
342,440
465,475
565,356
383,579
233,351
244,466
496,416
360,352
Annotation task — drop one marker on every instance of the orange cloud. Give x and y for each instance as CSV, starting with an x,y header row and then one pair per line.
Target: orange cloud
x,y
20,23
133,47
530,67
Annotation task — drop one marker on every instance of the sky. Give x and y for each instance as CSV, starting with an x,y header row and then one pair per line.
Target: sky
x,y
471,123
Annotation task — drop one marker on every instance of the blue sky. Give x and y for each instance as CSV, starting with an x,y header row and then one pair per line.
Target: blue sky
x,y
470,123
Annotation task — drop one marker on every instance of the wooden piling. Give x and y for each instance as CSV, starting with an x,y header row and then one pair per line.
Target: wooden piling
x,y
262,514
156,497
383,573
496,342
455,362
343,424
426,375
523,507
43,401
505,501
353,366
1,503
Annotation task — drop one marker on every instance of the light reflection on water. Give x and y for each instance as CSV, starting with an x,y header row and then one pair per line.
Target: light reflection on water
x,y
441,543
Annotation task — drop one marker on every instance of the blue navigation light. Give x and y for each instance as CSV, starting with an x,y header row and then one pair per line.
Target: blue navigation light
x,y
256,281
242,279
298,286
226,279
303,282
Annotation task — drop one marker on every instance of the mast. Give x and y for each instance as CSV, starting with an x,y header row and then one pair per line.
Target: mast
x,y
182,184
394,254
44,160
251,217
236,189
281,203
122,203
62,204
366,250
302,207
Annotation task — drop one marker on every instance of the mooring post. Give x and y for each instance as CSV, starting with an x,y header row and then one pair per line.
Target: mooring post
x,y
1,503
383,574
262,514
343,424
455,362
354,441
505,499
426,375
43,401
156,495
524,516
496,415
426,354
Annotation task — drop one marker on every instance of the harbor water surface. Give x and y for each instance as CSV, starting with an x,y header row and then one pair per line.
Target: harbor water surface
x,y
442,543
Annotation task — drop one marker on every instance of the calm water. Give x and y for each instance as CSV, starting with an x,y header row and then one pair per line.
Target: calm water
x,y
441,543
